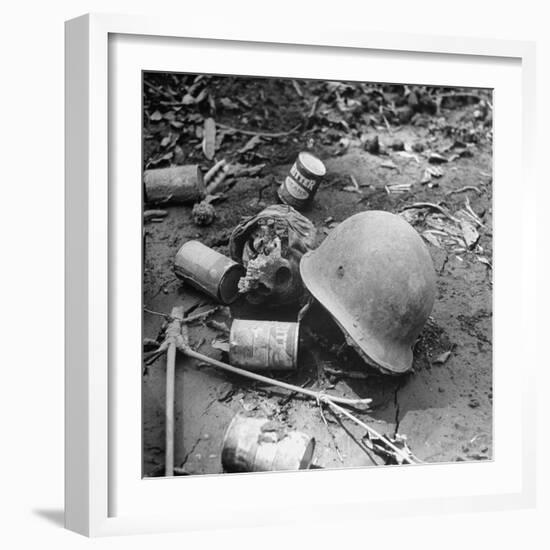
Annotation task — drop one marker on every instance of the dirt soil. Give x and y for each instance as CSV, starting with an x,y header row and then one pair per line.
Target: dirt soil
x,y
444,407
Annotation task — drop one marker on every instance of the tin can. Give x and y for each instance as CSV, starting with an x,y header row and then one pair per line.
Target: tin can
x,y
264,345
176,184
261,445
302,182
209,271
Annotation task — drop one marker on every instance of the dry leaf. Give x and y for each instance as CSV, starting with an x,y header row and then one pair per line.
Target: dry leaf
x,y
222,345
209,138
431,238
250,144
471,236
228,104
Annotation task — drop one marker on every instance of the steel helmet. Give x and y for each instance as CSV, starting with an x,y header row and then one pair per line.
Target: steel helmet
x,y
375,276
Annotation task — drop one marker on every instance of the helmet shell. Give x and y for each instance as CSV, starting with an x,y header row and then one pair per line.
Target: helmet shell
x,y
375,276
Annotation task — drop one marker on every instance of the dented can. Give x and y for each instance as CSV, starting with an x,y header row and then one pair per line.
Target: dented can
x,y
262,445
209,271
264,345
302,182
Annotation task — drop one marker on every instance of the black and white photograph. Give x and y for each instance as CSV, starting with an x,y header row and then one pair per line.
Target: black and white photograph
x,y
317,274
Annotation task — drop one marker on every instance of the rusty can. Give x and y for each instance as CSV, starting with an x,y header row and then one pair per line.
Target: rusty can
x,y
262,445
264,345
302,182
209,271
175,184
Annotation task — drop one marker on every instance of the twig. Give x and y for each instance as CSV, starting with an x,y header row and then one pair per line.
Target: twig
x,y
330,433
465,188
354,182
152,312
320,396
472,213
371,431
151,214
200,316
186,320
297,88
263,134
388,127
313,107
354,375
159,91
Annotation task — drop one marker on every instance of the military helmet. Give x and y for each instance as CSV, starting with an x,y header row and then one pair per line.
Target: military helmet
x,y
375,276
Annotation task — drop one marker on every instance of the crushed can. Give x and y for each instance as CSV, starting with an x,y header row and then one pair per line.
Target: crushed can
x,y
302,182
209,271
264,345
257,444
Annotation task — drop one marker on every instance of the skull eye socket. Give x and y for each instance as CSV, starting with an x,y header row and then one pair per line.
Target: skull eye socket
x,y
282,276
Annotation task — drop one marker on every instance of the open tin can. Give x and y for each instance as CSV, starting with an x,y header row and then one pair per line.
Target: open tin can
x,y
302,182
209,271
264,345
261,445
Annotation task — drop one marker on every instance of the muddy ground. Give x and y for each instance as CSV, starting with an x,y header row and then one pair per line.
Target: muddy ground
x,y
444,407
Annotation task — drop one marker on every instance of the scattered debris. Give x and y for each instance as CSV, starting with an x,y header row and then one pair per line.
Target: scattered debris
x,y
334,118
398,145
398,453
372,145
431,172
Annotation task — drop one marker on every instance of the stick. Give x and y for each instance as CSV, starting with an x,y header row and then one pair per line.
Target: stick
x,y
173,333
465,188
170,382
319,396
371,431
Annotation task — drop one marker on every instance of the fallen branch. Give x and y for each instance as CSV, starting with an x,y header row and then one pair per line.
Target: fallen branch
x,y
318,396
175,337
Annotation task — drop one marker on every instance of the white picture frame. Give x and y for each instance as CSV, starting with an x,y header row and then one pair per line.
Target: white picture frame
x,y
99,423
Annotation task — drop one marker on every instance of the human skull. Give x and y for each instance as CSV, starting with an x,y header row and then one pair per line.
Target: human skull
x,y
270,246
